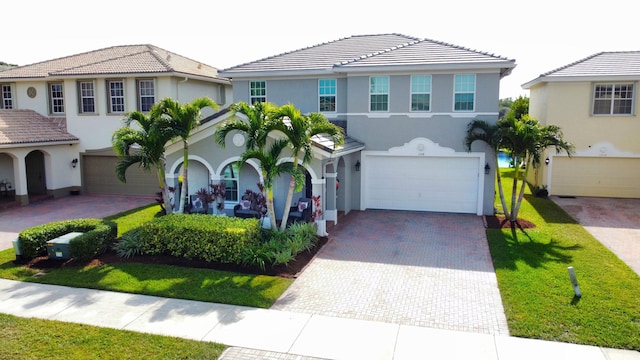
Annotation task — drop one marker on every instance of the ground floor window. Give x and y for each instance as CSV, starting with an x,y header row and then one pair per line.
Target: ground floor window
x,y
230,175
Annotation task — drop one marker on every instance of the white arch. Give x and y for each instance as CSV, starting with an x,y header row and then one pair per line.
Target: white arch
x,y
254,164
306,166
200,159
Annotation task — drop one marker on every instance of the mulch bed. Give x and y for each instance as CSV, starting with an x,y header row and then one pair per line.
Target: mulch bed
x,y
501,222
289,271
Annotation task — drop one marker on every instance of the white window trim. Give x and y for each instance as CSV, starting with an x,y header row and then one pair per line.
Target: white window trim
x,y
51,98
251,97
387,93
11,97
139,91
236,179
411,93
335,95
614,84
475,98
81,97
110,98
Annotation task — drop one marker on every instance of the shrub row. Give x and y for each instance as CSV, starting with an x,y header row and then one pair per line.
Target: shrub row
x,y
98,235
197,236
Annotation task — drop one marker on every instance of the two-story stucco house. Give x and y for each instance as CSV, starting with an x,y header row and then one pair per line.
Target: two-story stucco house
x,y
404,103
594,101
57,117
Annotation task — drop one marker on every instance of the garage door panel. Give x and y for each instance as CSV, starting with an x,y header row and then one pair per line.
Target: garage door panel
x,y
99,177
596,176
446,184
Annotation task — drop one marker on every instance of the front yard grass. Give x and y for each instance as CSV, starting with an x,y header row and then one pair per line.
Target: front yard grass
x,y
531,267
23,338
157,280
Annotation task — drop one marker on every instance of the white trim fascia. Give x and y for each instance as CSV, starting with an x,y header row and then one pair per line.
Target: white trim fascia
x,y
422,115
585,78
38,144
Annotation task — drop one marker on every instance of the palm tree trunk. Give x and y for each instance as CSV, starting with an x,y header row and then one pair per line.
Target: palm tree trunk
x,y
514,193
287,204
164,191
501,190
270,207
184,193
521,195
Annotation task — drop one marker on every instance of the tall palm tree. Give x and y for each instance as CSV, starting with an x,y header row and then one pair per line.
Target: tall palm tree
x,y
184,119
256,127
142,141
270,168
480,130
299,130
527,140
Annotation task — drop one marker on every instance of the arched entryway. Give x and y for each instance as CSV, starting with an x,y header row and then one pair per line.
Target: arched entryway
x,y
36,176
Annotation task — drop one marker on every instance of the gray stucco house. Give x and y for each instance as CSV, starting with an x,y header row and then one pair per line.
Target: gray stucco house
x,y
404,103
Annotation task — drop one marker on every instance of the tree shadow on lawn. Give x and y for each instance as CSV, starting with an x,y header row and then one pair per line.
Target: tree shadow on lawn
x,y
551,212
508,248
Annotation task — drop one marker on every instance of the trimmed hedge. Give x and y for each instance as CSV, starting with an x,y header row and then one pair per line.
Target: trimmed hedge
x,y
98,235
221,239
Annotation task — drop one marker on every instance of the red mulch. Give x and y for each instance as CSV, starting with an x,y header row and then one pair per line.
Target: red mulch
x,y
290,271
501,222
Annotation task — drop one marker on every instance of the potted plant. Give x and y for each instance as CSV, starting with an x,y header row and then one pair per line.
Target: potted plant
x,y
316,216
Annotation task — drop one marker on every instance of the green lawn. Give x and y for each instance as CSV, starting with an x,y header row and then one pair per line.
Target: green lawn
x,y
45,339
531,267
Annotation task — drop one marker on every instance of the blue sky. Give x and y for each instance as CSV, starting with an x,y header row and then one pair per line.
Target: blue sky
x,y
540,35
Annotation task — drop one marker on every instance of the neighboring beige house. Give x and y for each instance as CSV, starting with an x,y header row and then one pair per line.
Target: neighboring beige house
x,y
594,102
57,117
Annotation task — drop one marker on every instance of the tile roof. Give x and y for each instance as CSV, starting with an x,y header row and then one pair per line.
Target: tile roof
x,y
367,51
603,64
28,127
126,59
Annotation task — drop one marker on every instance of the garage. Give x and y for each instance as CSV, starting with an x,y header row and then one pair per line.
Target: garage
x,y
595,176
442,182
99,177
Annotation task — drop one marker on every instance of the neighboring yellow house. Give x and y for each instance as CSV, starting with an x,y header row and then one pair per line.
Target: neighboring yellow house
x,y
594,102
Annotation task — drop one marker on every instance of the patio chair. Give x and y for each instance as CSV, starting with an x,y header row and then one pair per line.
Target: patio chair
x,y
301,212
197,206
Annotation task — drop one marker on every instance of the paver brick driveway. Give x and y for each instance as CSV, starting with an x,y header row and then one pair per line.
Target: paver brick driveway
x,y
409,268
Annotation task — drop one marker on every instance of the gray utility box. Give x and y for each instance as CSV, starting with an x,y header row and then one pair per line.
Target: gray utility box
x,y
59,248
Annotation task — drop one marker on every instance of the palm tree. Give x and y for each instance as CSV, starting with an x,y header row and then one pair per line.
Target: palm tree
x,y
480,130
256,128
184,118
270,170
527,140
143,145
299,130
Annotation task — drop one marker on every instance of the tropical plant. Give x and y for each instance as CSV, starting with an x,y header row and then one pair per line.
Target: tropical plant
x,y
317,208
299,130
183,119
526,140
142,141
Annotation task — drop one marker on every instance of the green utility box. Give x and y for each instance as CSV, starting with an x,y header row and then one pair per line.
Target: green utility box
x,y
59,248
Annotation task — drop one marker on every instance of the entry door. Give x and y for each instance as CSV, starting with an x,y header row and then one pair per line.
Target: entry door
x,y
36,180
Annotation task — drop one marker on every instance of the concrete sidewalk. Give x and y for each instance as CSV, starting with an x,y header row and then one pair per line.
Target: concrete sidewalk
x,y
259,333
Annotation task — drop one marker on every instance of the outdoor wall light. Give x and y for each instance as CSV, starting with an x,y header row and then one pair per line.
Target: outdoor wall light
x,y
74,163
358,165
487,168
546,161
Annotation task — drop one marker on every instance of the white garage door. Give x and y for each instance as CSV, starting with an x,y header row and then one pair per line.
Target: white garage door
x,y
595,176
422,183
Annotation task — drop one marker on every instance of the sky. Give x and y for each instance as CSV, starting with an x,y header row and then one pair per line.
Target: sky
x,y
539,35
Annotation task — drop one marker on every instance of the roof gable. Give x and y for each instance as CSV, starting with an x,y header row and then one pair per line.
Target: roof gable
x,y
28,127
389,50
601,65
126,59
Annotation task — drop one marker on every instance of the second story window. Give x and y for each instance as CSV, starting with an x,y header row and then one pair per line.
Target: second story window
x,y
6,95
257,91
464,92
421,93
87,97
115,89
379,93
146,95
327,94
56,98
613,99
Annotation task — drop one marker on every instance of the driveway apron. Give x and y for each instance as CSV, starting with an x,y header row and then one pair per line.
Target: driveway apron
x,y
612,221
409,268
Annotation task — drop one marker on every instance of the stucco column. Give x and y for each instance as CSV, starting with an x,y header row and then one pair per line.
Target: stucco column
x,y
331,212
20,177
